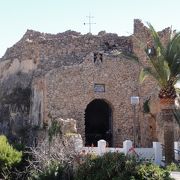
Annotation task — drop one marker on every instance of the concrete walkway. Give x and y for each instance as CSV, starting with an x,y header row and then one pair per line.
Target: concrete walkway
x,y
175,175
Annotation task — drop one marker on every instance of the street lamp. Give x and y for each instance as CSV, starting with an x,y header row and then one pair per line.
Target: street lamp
x,y
134,102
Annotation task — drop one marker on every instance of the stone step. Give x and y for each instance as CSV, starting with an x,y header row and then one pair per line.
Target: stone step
x,y
175,175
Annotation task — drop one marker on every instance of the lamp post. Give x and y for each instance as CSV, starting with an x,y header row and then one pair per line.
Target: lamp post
x,y
134,102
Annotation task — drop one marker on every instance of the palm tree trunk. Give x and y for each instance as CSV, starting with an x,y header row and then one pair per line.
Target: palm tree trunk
x,y
167,117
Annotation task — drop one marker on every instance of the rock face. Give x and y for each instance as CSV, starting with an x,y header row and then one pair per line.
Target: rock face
x,y
66,72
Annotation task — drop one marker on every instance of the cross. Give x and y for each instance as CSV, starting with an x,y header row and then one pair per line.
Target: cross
x,y
90,22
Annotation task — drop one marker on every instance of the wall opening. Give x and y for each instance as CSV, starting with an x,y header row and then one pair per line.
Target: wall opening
x,y
98,122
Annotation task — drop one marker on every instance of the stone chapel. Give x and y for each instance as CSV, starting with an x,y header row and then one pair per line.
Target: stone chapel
x,y
90,78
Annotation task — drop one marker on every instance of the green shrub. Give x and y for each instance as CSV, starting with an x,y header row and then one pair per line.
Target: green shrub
x,y
117,166
109,166
150,171
54,171
8,155
173,167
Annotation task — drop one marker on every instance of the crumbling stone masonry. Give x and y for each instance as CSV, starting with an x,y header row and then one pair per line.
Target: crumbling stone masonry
x,y
70,73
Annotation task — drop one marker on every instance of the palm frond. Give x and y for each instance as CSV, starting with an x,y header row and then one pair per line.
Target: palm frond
x,y
157,42
144,73
148,71
161,68
159,73
164,60
173,55
132,57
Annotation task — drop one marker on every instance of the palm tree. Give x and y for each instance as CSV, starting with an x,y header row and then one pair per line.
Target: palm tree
x,y
164,67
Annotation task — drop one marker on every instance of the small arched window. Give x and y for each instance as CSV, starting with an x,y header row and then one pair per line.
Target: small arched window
x,y
98,58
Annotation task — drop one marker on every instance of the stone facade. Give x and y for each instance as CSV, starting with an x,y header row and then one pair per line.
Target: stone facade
x,y
70,89
64,70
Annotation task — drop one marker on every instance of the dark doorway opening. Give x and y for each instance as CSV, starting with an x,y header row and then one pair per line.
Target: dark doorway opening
x,y
98,119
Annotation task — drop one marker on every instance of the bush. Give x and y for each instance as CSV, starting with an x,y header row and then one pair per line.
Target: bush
x,y
108,166
152,171
9,156
54,171
173,167
117,166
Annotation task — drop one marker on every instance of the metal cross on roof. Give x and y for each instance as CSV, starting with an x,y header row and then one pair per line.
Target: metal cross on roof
x,y
89,22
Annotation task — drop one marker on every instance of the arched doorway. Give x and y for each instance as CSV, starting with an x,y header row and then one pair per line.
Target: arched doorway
x,y
98,122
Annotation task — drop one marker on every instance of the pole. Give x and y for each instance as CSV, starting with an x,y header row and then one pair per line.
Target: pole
x,y
134,126
134,102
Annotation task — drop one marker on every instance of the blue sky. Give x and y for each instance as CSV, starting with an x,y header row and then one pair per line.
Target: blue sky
x,y
53,16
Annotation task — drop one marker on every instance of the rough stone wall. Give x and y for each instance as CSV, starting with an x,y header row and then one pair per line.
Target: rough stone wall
x,y
140,38
61,72
152,125
49,51
70,89
26,63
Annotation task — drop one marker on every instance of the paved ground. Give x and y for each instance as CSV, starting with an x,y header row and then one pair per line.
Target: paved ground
x,y
175,175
